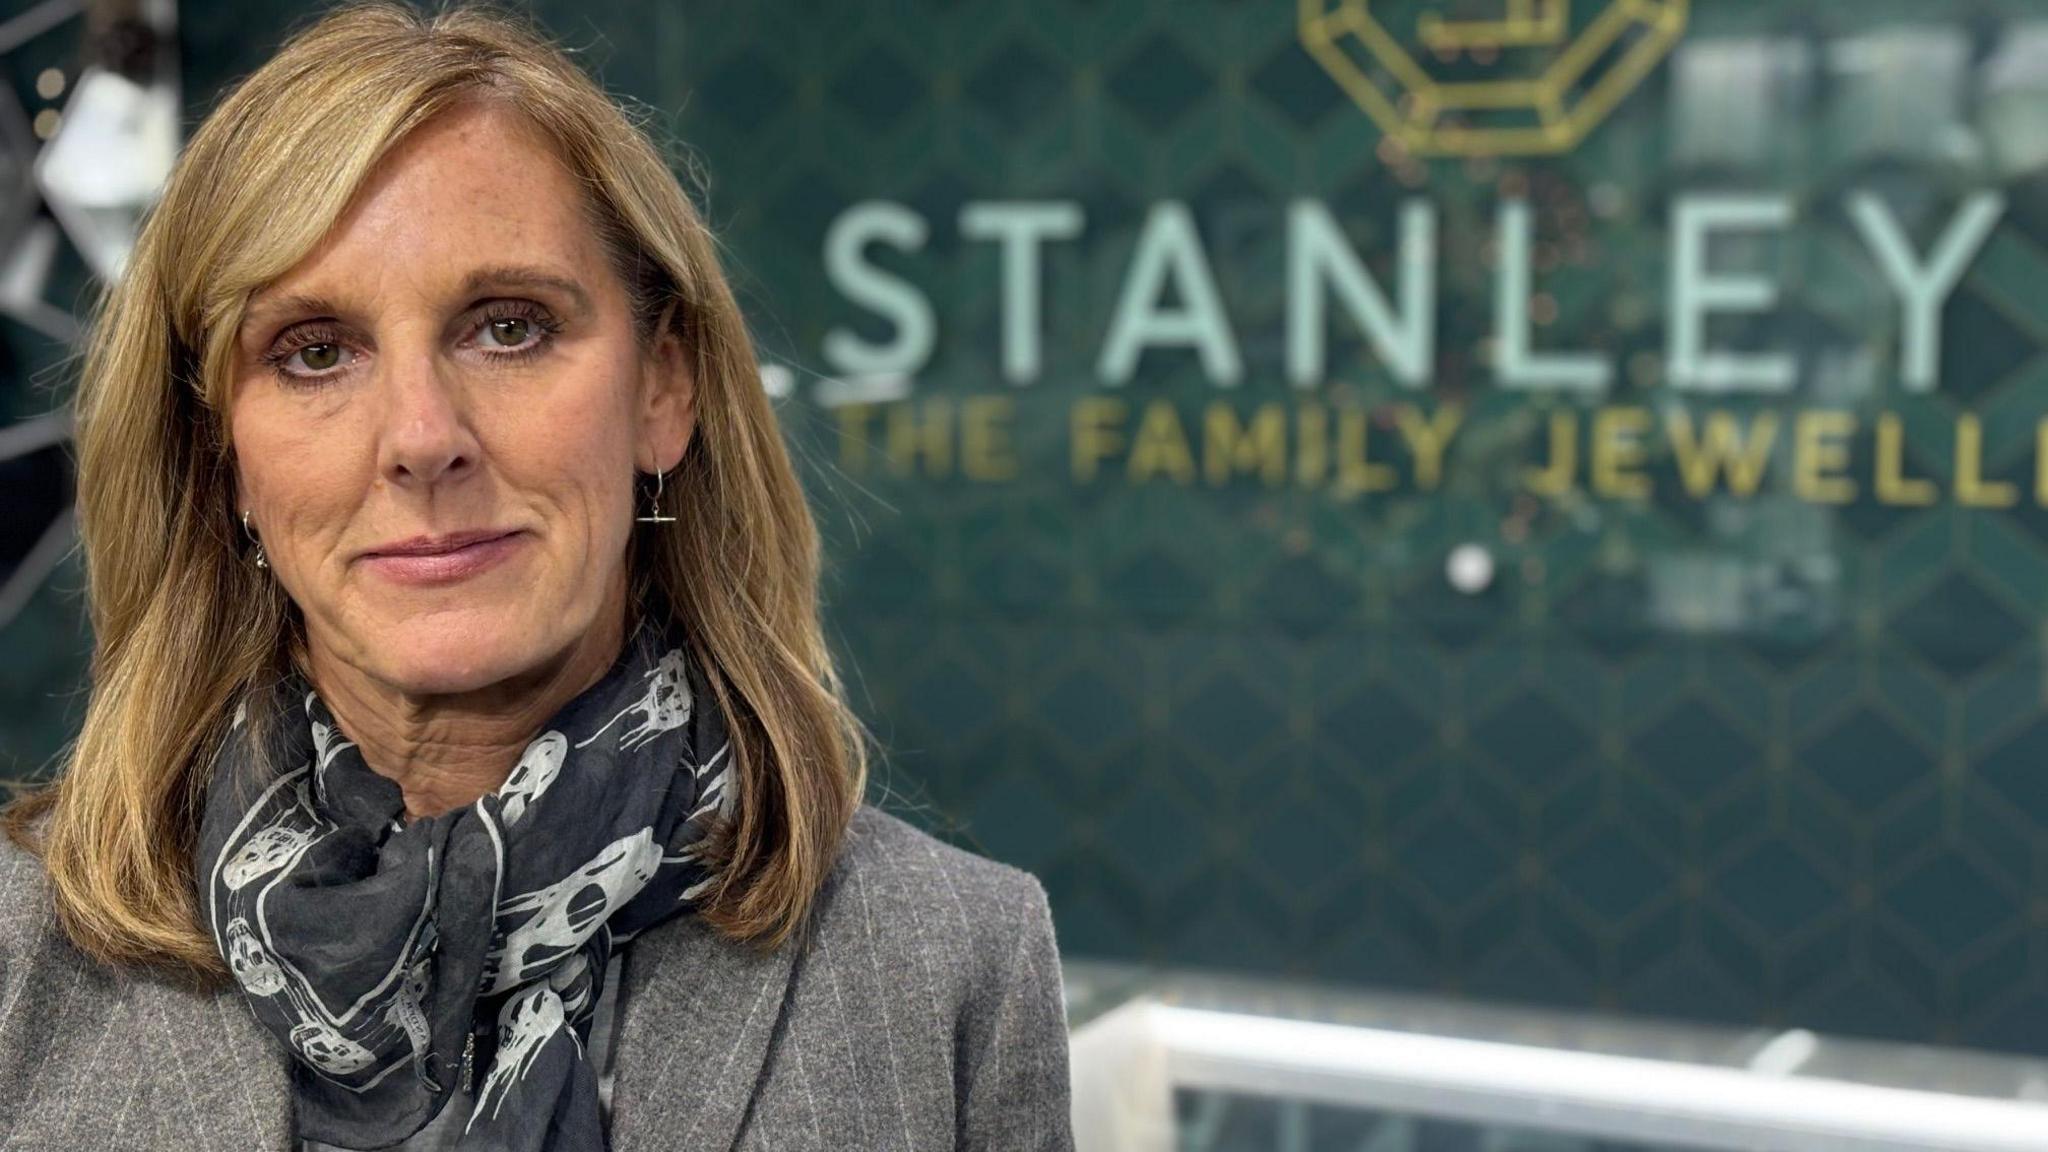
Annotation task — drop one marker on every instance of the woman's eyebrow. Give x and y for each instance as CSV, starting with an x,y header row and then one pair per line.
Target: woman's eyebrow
x,y
498,277
262,310
503,276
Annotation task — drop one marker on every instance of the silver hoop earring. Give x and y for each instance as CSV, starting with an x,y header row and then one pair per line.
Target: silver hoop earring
x,y
261,560
654,515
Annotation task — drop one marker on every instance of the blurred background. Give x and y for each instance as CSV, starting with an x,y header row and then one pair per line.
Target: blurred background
x,y
1489,554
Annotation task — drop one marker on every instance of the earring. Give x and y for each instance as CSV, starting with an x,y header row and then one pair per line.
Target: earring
x,y
654,515
261,560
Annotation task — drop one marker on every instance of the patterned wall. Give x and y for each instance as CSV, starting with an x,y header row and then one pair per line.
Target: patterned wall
x,y
1649,744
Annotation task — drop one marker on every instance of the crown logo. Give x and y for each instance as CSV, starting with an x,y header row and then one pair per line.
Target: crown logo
x,y
1490,77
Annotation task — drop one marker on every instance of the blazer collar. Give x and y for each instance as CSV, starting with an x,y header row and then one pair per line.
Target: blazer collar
x,y
693,1033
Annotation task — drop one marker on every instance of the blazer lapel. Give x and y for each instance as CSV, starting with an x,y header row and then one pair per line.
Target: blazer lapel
x,y
267,1086
214,1063
693,1034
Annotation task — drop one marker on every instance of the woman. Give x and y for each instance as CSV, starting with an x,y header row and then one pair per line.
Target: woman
x,y
464,766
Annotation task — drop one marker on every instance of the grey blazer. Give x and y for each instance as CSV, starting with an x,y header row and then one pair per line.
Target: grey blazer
x,y
923,1011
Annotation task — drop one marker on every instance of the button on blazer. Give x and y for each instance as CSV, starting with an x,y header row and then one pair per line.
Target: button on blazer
x,y
923,1010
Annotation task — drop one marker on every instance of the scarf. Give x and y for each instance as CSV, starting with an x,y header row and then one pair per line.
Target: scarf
x,y
374,948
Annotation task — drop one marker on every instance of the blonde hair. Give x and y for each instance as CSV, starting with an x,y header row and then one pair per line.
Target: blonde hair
x,y
184,624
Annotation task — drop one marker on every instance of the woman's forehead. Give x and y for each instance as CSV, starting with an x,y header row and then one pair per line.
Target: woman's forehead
x,y
472,199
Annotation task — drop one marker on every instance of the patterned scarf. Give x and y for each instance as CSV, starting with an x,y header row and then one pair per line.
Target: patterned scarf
x,y
373,948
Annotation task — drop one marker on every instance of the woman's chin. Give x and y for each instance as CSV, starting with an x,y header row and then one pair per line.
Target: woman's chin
x,y
457,651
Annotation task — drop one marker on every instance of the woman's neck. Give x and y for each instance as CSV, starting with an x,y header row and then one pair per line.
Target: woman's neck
x,y
445,751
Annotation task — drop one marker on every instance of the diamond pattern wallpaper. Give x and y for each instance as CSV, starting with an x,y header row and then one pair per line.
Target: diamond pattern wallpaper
x,y
1234,521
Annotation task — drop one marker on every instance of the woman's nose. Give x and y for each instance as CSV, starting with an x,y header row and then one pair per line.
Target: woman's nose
x,y
425,433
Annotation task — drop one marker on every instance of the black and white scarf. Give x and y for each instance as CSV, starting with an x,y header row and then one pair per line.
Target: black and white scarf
x,y
373,948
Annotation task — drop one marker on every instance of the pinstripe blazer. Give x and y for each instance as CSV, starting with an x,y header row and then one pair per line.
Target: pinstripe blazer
x,y
923,1010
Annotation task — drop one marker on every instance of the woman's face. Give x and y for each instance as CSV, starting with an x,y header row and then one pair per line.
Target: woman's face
x,y
456,362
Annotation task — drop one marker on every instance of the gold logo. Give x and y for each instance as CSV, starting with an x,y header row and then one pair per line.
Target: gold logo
x,y
1489,77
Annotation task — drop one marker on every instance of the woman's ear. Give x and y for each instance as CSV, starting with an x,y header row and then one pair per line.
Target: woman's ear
x,y
668,399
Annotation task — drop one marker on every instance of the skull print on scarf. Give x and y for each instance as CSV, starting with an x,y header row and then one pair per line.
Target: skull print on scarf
x,y
371,947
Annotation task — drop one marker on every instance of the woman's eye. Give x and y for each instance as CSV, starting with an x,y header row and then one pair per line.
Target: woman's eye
x,y
510,331
318,351
315,358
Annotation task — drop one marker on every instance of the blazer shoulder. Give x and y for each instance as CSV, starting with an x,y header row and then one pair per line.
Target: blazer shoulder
x,y
925,867
63,1084
35,955
27,917
913,898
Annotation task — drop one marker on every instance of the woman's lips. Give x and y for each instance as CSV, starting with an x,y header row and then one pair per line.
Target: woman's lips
x,y
446,567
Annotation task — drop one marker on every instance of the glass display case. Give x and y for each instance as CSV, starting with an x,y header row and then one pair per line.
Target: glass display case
x,y
1179,1062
